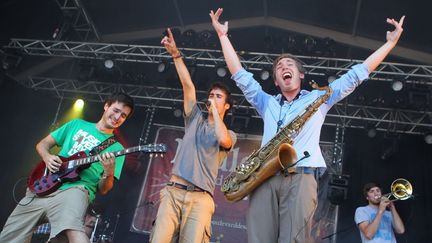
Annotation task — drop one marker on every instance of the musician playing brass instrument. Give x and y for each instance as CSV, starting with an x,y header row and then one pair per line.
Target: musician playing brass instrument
x,y
376,224
282,207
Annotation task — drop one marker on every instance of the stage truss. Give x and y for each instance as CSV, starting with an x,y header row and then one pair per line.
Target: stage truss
x,y
387,71
343,113
81,23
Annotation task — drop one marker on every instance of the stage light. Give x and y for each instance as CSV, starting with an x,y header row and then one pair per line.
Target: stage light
x,y
372,132
78,105
428,138
310,43
331,78
265,74
397,85
108,63
177,112
221,71
162,66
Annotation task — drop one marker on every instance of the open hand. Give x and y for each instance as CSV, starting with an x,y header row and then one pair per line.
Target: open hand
x,y
221,29
393,36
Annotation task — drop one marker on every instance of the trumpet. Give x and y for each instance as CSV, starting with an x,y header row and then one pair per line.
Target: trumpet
x,y
400,189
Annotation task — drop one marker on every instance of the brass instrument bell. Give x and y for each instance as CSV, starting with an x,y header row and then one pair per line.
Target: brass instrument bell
x,y
401,189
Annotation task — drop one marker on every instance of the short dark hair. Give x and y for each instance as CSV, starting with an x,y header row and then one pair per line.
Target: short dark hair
x,y
368,186
225,89
121,97
297,61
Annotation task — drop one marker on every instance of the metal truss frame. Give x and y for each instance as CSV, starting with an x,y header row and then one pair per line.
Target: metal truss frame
x,y
342,114
387,71
81,21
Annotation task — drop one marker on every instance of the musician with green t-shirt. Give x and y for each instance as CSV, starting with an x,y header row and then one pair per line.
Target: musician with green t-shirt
x,y
64,208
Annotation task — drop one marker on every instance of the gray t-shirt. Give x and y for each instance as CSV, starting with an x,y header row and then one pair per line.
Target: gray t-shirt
x,y
200,155
384,233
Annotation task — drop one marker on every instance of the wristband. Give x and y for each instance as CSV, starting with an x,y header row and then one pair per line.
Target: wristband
x,y
222,34
177,56
104,176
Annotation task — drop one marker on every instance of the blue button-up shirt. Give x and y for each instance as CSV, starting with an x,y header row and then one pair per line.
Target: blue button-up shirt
x,y
271,112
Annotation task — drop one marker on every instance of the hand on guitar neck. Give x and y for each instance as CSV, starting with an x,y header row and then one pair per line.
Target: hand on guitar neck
x,y
107,160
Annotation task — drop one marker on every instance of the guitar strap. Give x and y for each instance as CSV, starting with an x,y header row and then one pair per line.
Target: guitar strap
x,y
102,146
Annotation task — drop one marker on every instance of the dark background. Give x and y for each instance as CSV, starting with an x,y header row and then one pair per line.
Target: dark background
x,y
27,114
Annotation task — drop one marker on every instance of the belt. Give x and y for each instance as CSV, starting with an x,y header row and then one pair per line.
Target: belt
x,y
191,188
300,170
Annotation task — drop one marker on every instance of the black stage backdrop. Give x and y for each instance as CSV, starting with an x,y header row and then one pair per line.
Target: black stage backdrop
x,y
364,163
27,115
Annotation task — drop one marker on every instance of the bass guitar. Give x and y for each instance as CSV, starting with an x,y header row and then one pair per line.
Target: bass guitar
x,y
42,182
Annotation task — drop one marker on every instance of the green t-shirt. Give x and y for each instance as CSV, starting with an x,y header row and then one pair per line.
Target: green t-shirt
x,y
79,135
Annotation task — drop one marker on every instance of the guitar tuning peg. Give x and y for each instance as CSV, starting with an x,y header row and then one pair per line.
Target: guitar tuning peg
x,y
162,155
157,155
151,155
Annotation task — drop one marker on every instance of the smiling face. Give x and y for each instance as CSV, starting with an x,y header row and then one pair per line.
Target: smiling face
x,y
287,75
115,114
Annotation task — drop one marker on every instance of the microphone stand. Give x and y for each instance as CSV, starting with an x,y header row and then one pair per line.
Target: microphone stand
x,y
94,228
115,227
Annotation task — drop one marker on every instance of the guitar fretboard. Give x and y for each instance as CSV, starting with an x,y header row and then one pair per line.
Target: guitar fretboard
x,y
158,148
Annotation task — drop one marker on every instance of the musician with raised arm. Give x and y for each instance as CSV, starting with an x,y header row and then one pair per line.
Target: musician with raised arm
x,y
65,207
187,205
281,208
376,224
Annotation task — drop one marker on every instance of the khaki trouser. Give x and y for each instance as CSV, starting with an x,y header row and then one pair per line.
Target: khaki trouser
x,y
64,209
282,208
183,216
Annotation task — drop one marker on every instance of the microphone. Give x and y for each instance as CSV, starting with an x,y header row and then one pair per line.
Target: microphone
x,y
207,104
305,155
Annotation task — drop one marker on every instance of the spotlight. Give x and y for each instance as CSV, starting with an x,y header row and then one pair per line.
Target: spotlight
x,y
177,112
371,132
221,71
397,85
265,74
428,138
189,38
162,66
310,43
78,105
108,63
331,78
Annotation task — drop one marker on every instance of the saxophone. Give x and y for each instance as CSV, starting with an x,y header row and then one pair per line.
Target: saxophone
x,y
277,154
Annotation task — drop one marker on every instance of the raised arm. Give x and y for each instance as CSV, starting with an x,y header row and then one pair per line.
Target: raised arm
x,y
229,53
378,56
182,71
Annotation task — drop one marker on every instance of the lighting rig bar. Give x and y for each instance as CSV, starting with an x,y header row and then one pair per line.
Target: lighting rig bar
x,y
81,21
344,114
387,71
